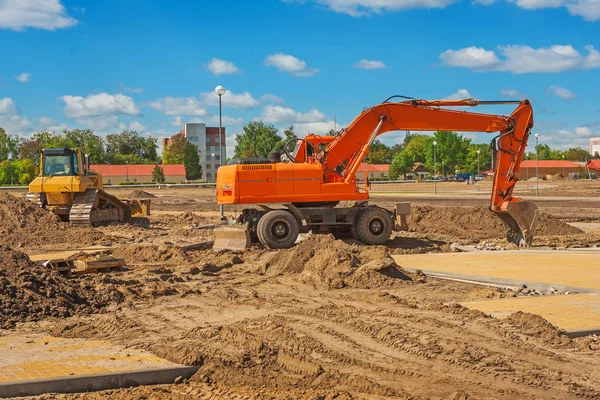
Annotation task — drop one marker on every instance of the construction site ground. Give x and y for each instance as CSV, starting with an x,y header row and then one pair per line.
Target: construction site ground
x,y
327,319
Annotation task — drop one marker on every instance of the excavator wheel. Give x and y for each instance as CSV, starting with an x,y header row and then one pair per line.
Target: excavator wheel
x,y
373,225
278,229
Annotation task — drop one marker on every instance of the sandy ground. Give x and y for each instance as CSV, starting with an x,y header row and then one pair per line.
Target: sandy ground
x,y
326,319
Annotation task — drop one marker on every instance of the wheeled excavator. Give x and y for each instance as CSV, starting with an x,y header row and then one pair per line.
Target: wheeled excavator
x,y
68,187
302,195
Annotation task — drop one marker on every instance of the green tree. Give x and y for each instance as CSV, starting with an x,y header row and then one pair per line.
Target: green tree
x,y
577,154
543,151
8,175
485,158
181,151
416,147
379,153
288,135
30,148
8,145
90,142
26,170
129,146
402,164
259,137
451,149
158,175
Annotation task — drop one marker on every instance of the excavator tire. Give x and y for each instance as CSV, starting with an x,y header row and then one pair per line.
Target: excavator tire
x,y
95,205
373,225
278,229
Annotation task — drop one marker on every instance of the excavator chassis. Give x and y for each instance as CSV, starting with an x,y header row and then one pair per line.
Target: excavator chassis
x,y
279,227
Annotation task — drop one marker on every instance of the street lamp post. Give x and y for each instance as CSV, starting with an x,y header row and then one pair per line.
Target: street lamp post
x,y
564,178
434,168
220,91
212,156
478,171
537,169
528,156
443,169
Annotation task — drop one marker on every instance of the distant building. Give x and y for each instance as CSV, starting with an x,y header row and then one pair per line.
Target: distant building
x,y
373,171
114,174
594,145
418,171
208,141
548,167
594,166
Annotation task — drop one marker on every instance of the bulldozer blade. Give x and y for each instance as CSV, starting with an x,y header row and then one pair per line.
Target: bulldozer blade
x,y
521,219
231,238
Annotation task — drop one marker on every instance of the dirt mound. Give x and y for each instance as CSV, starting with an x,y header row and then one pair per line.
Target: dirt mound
x,y
30,292
534,325
24,224
135,254
476,223
140,194
323,260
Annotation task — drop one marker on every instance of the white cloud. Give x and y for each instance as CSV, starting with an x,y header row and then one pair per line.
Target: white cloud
x,y
358,8
178,106
23,77
96,105
40,14
8,107
279,114
320,128
214,120
561,92
177,121
369,64
583,131
134,90
15,124
102,124
290,64
587,9
460,94
515,94
51,125
222,67
271,98
230,99
137,126
520,59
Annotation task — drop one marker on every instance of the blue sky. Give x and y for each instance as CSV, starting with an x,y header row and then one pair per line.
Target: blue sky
x,y
151,65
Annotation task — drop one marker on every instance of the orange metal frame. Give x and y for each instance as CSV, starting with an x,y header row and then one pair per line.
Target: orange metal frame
x,y
330,175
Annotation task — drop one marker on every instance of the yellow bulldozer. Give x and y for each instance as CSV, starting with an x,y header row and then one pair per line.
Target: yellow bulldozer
x,y
68,187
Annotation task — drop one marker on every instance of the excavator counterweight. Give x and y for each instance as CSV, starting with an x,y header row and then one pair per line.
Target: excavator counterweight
x,y
321,172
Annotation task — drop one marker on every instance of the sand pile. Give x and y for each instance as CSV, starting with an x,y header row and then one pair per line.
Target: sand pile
x,y
475,223
140,194
323,260
30,292
135,254
24,224
534,325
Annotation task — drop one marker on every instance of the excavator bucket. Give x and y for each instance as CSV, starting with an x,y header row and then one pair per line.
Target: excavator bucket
x,y
232,238
521,219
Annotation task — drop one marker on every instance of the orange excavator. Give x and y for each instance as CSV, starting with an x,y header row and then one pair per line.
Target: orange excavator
x,y
302,194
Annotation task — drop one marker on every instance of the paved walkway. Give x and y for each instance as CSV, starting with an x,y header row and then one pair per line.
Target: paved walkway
x,y
575,271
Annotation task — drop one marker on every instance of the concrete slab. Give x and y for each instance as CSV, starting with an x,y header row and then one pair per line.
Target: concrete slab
x,y
578,314
575,271
33,364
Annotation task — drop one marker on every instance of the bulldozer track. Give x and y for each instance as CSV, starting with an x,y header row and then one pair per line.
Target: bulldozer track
x,y
37,199
94,205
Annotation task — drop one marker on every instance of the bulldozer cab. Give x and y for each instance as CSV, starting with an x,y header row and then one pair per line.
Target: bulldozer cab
x,y
61,162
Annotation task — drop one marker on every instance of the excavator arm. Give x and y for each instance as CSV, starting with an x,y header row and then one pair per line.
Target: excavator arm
x,y
343,155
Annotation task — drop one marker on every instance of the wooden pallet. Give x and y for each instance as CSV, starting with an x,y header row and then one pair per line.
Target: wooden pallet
x,y
100,263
